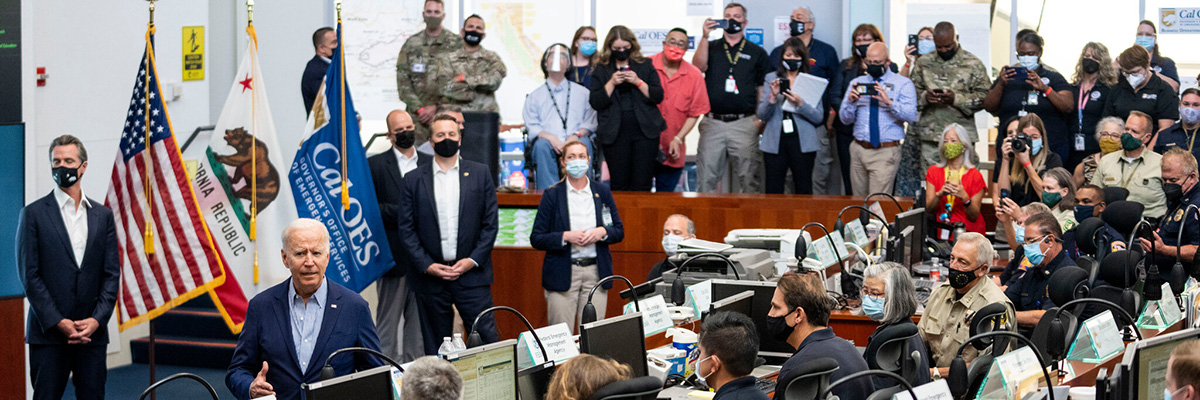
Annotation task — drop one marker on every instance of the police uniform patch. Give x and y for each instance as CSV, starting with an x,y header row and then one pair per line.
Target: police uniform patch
x,y
1178,215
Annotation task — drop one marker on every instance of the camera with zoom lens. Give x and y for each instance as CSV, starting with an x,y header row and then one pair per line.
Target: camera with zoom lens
x,y
1021,143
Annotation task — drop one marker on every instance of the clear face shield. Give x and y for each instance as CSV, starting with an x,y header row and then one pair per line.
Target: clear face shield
x,y
557,58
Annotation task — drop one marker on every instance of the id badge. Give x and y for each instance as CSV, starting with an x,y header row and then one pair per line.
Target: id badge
x,y
787,126
606,215
418,68
1022,113
730,85
1079,145
1032,99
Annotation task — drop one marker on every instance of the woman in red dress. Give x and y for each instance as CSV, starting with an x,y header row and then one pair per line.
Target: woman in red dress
x,y
953,187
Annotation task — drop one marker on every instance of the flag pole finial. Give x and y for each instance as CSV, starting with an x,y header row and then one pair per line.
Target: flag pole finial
x,y
151,11
250,11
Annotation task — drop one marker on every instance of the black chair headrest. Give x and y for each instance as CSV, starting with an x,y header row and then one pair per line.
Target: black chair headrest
x,y
809,379
1114,194
643,388
1065,284
1123,215
1120,268
887,348
989,318
1085,231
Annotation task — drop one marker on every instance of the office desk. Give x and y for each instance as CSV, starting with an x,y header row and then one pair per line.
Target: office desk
x,y
1085,373
518,269
855,328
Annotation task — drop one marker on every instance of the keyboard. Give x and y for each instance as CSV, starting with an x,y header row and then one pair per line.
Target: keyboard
x,y
924,288
765,385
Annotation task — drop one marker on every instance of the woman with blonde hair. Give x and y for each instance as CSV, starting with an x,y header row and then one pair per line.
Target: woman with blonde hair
x,y
1094,77
583,375
1020,171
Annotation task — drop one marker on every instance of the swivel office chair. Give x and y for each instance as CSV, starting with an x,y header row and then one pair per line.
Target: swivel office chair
x,y
643,388
992,317
811,379
890,351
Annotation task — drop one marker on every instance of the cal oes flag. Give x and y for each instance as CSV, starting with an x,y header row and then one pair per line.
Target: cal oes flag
x,y
332,183
167,254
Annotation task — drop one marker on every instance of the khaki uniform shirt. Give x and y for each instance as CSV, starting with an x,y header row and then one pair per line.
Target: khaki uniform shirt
x,y
965,75
481,72
1142,177
946,323
417,56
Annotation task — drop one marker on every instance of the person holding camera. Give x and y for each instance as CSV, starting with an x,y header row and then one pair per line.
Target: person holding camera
x,y
953,187
789,141
1025,158
1032,88
1136,169
1091,85
878,106
850,68
625,94
951,85
923,45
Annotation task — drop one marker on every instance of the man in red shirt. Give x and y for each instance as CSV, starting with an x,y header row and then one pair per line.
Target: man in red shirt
x,y
685,99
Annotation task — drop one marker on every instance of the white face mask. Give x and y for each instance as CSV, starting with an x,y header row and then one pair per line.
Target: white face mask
x,y
1029,62
671,244
703,379
1135,79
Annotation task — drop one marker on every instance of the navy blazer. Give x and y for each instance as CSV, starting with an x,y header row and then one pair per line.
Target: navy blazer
x,y
57,286
478,223
267,336
553,218
389,185
310,81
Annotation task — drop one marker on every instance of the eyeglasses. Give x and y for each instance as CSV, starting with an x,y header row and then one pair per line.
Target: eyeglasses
x,y
1036,240
872,293
679,44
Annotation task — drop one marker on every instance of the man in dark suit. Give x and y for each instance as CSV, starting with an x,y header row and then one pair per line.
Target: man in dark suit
x,y
324,41
67,253
396,316
448,222
293,327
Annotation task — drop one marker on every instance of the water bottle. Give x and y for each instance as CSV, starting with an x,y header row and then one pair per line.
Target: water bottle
x,y
446,348
459,345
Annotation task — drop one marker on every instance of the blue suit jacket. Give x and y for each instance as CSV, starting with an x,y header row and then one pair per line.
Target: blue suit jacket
x,y
267,336
55,286
310,81
478,223
554,218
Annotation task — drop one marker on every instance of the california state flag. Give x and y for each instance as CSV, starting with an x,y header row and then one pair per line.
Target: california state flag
x,y
245,198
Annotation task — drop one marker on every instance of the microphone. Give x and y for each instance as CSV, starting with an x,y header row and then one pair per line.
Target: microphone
x,y
1178,276
328,373
958,379
473,340
888,195
194,377
589,309
864,216
876,372
849,289
677,289
1152,289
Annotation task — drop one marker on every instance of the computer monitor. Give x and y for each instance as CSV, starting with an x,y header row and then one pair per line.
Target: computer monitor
x,y
900,248
372,384
916,219
774,350
618,338
1147,360
741,302
488,371
533,382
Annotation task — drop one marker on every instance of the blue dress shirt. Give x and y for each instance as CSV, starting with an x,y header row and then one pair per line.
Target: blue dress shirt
x,y
891,119
306,321
541,115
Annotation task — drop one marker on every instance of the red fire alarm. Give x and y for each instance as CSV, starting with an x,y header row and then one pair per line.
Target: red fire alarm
x,y
41,76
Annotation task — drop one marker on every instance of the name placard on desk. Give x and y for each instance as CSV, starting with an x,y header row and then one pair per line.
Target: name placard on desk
x,y
699,297
936,390
1098,340
858,234
826,253
655,318
557,339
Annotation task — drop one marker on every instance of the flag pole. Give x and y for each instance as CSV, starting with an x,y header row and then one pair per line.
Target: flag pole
x,y
149,236
342,103
253,140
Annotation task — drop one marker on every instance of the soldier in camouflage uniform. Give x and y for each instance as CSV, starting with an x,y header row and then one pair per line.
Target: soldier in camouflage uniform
x,y
964,82
416,59
469,77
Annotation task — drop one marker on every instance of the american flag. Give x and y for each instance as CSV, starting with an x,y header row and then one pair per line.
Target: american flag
x,y
184,262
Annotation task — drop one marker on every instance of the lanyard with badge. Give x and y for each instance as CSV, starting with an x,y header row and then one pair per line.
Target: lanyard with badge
x,y
1191,137
1125,179
1082,103
730,83
419,66
955,175
1031,99
562,116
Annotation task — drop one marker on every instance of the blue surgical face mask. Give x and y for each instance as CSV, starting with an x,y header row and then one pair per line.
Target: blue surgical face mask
x,y
1189,115
577,168
1035,147
1145,41
1033,252
1019,232
925,46
587,47
1029,62
873,307
1167,393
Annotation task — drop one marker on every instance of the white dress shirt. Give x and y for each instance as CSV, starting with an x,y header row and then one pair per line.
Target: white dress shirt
x,y
75,219
446,193
407,164
582,210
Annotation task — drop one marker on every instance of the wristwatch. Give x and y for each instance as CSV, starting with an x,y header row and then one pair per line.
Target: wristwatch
x,y
967,203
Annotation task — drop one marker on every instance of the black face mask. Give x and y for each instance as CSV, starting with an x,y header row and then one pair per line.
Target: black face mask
x,y
65,177
960,279
446,148
735,26
778,328
1090,66
792,65
1173,192
621,55
472,38
861,50
948,54
405,139
797,27
876,71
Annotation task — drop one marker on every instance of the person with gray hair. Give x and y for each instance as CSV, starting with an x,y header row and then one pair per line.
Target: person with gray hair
x,y
953,187
889,296
677,229
945,324
1108,134
431,378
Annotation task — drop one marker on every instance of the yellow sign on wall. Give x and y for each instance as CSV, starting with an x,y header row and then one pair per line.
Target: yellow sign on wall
x,y
193,53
